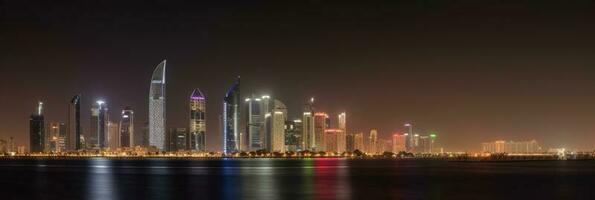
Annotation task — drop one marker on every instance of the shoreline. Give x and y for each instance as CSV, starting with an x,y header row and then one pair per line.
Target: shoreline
x,y
466,159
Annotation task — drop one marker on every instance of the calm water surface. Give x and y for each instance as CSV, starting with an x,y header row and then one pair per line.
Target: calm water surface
x,y
294,179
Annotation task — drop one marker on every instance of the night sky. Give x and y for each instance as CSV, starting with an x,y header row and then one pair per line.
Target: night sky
x,y
473,72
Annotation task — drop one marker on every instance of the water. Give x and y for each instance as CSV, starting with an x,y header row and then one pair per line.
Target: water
x,y
294,179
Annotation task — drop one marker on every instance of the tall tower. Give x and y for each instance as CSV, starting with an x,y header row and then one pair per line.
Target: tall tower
x,y
308,137
231,118
99,122
73,135
275,127
36,130
409,143
358,142
343,122
373,142
113,135
320,124
157,108
126,128
256,109
198,127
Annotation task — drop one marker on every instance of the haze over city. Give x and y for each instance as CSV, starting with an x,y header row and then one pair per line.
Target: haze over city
x,y
473,72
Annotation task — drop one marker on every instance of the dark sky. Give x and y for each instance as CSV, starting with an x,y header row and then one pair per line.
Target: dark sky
x,y
472,70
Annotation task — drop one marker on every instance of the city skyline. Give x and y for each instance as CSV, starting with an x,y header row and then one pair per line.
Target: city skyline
x,y
484,79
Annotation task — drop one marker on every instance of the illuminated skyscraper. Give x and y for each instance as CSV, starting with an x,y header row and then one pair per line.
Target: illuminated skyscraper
x,y
99,121
308,136
157,119
320,124
256,109
359,142
55,137
231,119
113,135
197,133
373,142
334,140
36,130
127,128
399,141
409,143
275,127
343,122
293,135
73,135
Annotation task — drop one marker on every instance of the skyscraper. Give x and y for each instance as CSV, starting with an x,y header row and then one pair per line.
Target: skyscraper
x,y
334,140
113,135
197,132
126,135
157,119
308,137
73,135
373,142
55,137
399,141
231,118
343,122
320,124
409,133
36,130
358,142
99,122
275,127
350,142
176,139
293,135
256,109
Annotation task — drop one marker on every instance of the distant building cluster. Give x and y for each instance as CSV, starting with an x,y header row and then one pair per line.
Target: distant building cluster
x,y
512,147
247,124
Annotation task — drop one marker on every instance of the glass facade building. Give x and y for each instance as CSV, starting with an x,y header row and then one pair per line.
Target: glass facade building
x,y
157,119
231,119
197,132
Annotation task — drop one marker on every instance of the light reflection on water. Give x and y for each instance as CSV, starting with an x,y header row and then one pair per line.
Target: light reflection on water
x,y
307,179
101,180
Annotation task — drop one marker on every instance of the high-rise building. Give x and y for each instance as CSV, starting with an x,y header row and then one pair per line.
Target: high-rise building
x,y
399,141
157,117
359,142
113,135
127,128
293,135
176,139
73,134
308,136
320,124
55,137
275,127
231,119
349,142
256,109
198,125
373,142
342,122
410,137
11,147
334,140
99,121
36,130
